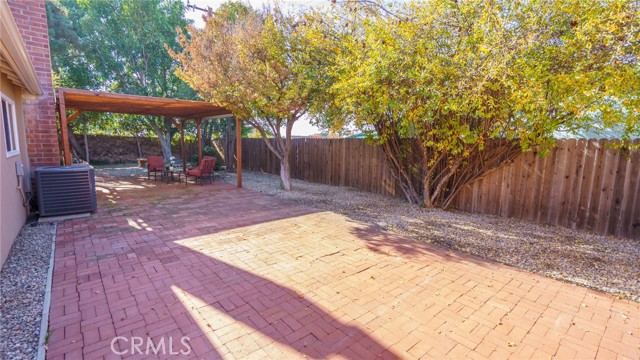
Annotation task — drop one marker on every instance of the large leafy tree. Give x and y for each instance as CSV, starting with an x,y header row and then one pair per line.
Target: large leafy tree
x,y
254,63
450,88
119,46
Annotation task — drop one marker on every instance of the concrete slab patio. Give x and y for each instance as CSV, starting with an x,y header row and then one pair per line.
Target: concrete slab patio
x,y
247,276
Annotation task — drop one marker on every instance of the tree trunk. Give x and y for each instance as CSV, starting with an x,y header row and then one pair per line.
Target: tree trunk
x,y
401,174
285,174
230,146
75,145
207,132
165,143
426,191
215,145
138,144
231,157
86,143
225,148
437,196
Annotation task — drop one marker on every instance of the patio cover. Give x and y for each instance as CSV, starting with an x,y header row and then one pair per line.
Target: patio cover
x,y
176,110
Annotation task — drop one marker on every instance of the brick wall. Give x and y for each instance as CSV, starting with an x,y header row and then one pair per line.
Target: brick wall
x,y
123,149
40,118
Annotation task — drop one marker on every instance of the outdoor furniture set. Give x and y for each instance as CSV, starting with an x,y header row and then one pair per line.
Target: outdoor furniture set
x,y
204,170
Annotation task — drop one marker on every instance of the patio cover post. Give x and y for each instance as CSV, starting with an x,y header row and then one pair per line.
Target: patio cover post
x,y
239,152
184,154
62,115
198,122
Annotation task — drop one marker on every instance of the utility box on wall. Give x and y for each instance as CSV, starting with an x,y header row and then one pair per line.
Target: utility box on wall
x,y
64,190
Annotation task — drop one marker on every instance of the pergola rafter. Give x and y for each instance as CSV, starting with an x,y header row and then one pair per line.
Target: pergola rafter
x,y
176,110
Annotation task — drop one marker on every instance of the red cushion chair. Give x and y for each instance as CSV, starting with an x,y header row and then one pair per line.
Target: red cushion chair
x,y
155,165
190,167
202,171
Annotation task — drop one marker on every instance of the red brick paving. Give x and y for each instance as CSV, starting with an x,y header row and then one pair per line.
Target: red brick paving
x,y
244,275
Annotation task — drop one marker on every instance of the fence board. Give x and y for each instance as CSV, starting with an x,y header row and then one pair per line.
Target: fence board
x,y
533,192
629,222
562,182
575,184
543,209
581,184
589,176
606,194
596,187
519,184
617,194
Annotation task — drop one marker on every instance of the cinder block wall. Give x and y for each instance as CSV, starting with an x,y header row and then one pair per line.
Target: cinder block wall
x,y
39,112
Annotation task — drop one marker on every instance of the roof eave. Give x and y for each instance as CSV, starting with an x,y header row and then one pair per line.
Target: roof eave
x,y
15,53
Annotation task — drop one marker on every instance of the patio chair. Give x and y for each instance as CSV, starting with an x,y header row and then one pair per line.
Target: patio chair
x,y
202,171
191,167
155,165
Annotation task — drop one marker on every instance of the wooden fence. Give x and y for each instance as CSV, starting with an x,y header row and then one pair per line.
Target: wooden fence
x,y
581,184
340,162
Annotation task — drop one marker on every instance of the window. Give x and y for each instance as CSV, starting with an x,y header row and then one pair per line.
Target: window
x,y
8,111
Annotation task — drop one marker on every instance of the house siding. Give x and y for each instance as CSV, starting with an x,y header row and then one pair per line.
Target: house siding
x,y
13,213
35,117
39,113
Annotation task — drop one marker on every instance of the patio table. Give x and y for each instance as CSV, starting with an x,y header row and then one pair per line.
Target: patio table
x,y
167,175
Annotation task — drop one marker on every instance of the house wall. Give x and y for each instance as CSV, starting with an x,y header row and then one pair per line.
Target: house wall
x,y
42,134
13,213
35,117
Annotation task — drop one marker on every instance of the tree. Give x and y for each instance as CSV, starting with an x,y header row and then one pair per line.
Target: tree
x,y
220,135
119,46
440,84
255,64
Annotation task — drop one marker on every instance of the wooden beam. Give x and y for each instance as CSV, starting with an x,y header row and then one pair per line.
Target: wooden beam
x,y
239,151
142,105
198,123
184,153
73,116
62,115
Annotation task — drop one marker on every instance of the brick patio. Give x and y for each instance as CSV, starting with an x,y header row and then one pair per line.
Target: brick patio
x,y
247,276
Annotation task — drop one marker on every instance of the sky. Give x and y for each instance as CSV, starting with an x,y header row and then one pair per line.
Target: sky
x,y
302,127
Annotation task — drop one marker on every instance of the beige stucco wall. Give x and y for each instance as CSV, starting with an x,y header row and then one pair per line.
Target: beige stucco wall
x,y
12,213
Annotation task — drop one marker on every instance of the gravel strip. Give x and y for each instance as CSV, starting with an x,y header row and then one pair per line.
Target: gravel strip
x,y
22,283
119,170
603,263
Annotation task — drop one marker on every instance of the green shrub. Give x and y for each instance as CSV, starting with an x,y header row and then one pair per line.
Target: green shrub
x,y
209,151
